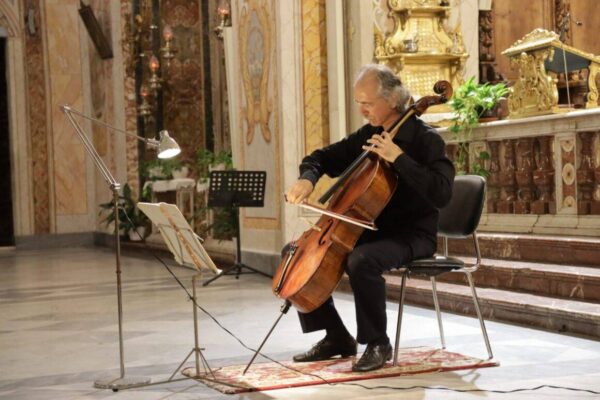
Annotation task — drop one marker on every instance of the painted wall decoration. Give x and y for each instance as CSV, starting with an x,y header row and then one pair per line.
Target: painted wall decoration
x,y
255,55
258,124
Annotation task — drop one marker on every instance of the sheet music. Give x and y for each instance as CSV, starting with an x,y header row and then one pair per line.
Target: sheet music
x,y
178,235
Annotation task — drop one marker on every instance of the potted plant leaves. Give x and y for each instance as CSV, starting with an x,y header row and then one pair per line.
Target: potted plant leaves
x,y
470,102
132,221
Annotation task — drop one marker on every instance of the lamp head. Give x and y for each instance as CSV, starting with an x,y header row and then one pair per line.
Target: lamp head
x,y
167,146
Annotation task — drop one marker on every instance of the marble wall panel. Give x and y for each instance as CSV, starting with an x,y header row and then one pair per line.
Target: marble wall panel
x,y
37,117
568,184
100,85
183,95
131,143
314,53
64,63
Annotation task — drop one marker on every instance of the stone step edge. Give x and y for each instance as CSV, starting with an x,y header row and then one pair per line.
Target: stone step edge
x,y
491,297
575,250
538,237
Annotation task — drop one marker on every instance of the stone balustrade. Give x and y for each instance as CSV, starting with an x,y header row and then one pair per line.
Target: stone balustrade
x,y
544,173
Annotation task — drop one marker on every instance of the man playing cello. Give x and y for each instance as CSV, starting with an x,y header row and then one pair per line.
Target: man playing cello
x,y
407,226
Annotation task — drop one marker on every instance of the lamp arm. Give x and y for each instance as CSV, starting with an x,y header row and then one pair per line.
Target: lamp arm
x,y
150,142
90,147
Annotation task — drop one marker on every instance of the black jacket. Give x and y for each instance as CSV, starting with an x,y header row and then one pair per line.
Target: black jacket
x,y
425,175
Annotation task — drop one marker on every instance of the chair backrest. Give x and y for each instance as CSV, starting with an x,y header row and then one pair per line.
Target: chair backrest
x,y
461,216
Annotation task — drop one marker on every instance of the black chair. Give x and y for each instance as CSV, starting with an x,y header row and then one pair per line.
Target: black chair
x,y
459,219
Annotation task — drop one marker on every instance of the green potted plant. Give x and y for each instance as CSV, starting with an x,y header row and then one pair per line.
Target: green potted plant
x,y
207,161
132,221
162,169
470,102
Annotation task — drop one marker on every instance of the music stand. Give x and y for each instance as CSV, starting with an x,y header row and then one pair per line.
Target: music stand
x,y
237,189
187,250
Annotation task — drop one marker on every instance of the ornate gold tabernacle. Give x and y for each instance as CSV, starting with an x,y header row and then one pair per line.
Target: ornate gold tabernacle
x,y
419,49
539,56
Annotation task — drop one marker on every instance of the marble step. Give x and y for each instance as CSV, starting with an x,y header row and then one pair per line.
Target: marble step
x,y
537,311
558,315
534,248
554,280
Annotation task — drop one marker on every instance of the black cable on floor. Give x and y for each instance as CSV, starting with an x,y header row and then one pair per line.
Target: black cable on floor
x,y
399,388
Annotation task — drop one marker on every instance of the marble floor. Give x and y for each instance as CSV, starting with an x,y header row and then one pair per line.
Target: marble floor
x,y
58,335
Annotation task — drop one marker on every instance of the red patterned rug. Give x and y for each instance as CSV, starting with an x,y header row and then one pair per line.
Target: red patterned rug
x,y
269,376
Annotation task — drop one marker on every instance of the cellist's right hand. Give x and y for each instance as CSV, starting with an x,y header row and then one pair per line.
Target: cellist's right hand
x,y
299,191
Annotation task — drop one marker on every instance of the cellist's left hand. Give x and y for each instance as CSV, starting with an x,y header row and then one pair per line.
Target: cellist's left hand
x,y
383,146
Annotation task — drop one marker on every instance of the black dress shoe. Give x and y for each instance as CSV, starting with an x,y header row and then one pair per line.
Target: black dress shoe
x,y
373,358
328,348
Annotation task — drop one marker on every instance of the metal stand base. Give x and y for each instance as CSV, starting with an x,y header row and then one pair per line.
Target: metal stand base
x,y
121,383
135,382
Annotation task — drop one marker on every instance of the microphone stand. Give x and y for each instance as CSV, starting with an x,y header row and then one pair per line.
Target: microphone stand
x,y
120,382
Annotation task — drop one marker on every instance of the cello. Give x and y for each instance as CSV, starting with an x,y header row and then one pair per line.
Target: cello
x,y
314,264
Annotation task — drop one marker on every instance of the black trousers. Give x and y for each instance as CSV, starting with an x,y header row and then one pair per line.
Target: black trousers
x,y
375,253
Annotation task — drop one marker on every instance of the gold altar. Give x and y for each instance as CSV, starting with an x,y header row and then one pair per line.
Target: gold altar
x,y
420,50
539,57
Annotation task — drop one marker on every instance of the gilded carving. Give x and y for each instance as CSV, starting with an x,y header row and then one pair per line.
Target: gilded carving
x,y
562,19
419,47
534,92
254,36
592,97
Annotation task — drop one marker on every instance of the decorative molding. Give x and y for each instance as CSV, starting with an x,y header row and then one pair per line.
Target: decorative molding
x,y
9,18
487,58
562,20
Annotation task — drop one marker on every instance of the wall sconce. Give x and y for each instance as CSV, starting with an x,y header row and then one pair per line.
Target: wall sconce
x,y
152,52
144,109
224,13
155,82
167,52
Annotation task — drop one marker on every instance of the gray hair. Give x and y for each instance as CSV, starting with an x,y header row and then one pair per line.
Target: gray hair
x,y
390,85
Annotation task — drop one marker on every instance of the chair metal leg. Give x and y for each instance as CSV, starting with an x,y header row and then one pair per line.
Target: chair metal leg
x,y
437,311
399,323
478,311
